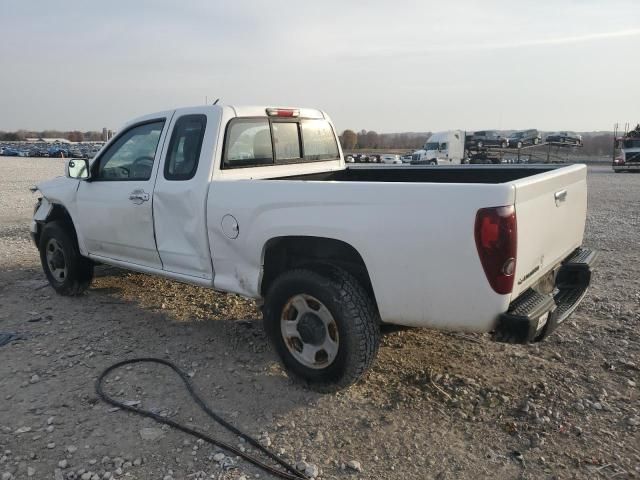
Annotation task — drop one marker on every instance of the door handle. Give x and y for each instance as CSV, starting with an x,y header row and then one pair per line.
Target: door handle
x,y
138,196
560,197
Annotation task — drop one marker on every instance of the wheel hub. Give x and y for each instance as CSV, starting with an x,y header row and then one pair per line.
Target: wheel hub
x,y
56,261
311,329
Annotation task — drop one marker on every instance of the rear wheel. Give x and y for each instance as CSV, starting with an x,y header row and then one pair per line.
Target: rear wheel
x,y
68,272
433,162
323,326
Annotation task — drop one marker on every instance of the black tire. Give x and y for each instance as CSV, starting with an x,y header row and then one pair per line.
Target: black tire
x,y
519,145
78,271
536,141
433,162
355,316
503,145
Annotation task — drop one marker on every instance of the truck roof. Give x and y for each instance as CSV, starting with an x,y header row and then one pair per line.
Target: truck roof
x,y
439,136
237,111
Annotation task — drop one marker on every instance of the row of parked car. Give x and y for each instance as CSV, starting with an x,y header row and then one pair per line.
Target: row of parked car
x,y
30,149
519,139
377,158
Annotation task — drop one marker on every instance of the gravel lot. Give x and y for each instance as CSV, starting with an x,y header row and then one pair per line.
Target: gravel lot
x,y
436,405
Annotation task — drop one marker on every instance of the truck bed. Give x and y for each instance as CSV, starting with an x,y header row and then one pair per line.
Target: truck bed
x,y
491,174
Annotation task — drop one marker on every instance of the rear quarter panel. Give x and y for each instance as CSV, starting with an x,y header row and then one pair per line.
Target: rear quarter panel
x,y
416,240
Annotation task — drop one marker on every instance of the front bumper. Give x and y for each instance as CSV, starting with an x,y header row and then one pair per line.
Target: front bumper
x,y
33,231
533,316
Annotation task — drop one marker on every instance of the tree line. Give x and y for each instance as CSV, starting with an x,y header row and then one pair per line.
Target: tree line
x,y
72,136
595,143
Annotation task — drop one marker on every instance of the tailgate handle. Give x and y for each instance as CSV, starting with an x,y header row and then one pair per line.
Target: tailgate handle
x,y
560,197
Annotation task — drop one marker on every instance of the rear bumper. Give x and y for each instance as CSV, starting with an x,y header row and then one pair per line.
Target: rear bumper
x,y
533,316
633,167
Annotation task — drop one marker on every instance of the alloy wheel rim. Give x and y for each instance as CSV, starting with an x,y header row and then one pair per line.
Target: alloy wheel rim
x,y
309,331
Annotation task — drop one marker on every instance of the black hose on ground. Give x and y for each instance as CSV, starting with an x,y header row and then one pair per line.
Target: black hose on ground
x,y
290,472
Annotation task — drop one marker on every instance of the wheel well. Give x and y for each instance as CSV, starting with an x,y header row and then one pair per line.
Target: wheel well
x,y
58,214
284,253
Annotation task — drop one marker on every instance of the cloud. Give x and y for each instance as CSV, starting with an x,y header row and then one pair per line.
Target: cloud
x,y
510,44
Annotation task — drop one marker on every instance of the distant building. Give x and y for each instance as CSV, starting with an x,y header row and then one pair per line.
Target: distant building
x,y
47,140
110,134
105,134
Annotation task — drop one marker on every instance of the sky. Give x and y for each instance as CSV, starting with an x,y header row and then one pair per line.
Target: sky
x,y
388,66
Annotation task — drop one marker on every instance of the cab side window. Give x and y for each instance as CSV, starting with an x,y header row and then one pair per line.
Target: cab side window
x,y
185,147
132,155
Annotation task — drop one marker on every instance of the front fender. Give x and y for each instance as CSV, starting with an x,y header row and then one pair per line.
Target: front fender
x,y
58,200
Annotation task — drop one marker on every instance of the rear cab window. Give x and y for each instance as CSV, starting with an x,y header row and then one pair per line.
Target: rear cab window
x,y
264,141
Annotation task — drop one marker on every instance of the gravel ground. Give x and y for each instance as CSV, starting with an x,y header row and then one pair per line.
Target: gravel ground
x,y
435,405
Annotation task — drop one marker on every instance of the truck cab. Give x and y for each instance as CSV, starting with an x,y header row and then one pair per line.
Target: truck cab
x,y
627,152
442,148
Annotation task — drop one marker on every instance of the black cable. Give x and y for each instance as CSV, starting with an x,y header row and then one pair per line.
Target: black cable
x,y
291,472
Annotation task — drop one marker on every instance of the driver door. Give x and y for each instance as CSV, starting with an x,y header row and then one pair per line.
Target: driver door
x,y
115,210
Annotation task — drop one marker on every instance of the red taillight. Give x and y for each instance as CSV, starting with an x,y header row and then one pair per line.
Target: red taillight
x,y
497,243
283,112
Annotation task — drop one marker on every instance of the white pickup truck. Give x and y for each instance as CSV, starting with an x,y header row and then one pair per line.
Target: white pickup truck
x,y
258,201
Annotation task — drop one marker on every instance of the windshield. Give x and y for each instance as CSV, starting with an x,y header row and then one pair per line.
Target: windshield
x,y
431,146
518,135
635,143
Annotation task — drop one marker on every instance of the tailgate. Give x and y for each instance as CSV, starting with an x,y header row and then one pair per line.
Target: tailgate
x,y
551,210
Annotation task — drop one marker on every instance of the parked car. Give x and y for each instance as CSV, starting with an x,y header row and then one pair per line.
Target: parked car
x,y
271,212
564,137
10,152
391,159
487,138
58,152
524,137
407,158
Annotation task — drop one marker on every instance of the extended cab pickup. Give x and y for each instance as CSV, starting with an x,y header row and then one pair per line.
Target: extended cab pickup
x,y
258,201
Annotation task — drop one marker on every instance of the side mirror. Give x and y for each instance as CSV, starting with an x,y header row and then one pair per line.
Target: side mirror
x,y
77,168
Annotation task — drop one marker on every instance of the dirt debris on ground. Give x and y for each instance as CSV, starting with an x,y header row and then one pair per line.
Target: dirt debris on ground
x,y
436,405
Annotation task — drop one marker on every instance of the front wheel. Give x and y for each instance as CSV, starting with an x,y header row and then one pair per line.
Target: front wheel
x,y
324,327
68,272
